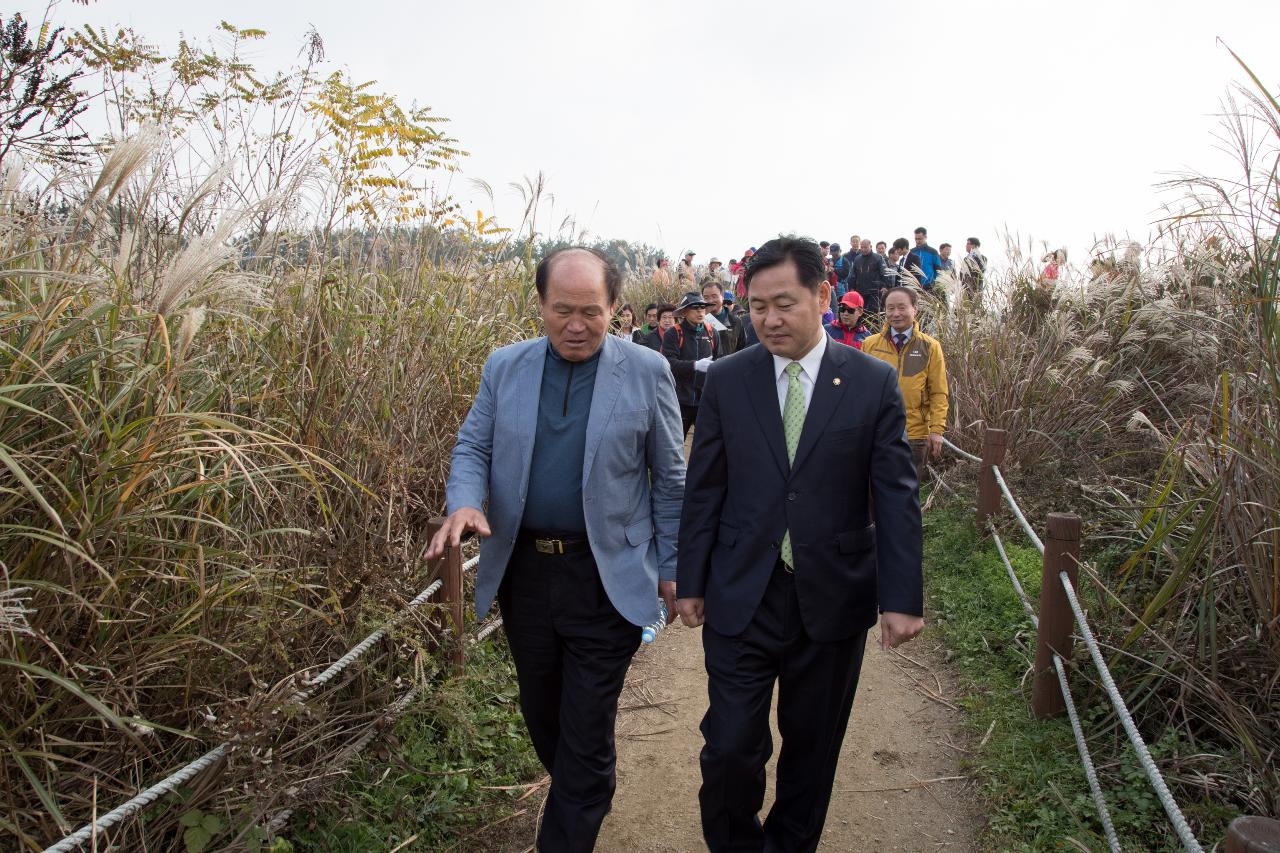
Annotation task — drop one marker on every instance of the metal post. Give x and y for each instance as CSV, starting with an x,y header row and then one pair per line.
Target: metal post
x,y
1061,554
1253,835
993,445
450,596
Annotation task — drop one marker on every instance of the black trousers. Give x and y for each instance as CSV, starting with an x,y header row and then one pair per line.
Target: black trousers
x,y
688,414
571,649
816,683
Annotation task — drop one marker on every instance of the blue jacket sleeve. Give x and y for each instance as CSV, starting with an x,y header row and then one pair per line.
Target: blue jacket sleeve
x,y
664,452
469,472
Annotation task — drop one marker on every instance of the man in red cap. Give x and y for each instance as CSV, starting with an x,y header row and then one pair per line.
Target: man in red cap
x,y
847,327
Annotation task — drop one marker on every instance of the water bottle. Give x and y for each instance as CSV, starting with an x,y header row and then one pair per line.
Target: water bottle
x,y
649,633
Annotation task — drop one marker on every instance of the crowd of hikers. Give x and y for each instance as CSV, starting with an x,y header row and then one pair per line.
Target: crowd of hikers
x,y
875,298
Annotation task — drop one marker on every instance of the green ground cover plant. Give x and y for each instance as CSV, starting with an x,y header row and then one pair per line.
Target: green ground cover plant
x,y
450,772
1028,771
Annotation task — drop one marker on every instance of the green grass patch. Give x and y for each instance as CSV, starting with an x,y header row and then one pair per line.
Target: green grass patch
x,y
1029,771
431,777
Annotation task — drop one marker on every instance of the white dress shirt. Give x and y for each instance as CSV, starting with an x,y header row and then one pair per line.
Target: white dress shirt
x,y
809,364
893,334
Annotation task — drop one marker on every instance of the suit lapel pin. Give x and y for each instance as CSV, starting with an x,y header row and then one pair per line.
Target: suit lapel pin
x,y
835,381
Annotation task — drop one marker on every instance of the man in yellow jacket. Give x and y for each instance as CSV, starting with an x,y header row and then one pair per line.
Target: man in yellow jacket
x,y
922,373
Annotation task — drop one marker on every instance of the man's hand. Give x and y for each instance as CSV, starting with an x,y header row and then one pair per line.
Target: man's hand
x,y
935,445
691,611
667,592
897,628
450,533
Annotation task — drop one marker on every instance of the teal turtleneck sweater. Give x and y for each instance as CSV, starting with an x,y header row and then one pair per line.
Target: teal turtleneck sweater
x,y
554,500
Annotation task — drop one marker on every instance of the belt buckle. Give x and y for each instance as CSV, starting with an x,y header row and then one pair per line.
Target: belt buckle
x,y
549,546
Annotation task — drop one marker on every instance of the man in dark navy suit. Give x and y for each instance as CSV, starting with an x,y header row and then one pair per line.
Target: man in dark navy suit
x,y
798,444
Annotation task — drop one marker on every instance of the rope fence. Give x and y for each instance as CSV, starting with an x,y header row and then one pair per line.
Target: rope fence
x,y
488,629
1060,611
1090,773
141,801
1122,711
451,570
1013,577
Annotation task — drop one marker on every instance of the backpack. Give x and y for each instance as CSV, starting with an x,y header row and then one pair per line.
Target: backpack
x,y
711,335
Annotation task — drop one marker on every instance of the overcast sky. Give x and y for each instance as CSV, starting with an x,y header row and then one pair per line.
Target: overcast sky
x,y
715,125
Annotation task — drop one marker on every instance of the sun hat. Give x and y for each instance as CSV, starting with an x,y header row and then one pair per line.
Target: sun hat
x,y
692,300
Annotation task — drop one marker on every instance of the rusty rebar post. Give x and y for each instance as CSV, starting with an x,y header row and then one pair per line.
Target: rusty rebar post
x,y
1253,835
1061,554
450,597
993,446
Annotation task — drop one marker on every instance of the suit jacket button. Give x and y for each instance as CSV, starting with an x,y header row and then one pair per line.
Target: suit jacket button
x,y
773,545
791,496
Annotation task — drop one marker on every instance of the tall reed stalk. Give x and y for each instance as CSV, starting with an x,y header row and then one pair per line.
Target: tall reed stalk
x,y
211,481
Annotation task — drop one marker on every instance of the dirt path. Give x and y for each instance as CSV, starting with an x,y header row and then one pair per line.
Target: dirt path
x,y
898,740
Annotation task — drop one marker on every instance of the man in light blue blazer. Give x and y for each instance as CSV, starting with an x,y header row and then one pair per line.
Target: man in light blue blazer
x,y
570,464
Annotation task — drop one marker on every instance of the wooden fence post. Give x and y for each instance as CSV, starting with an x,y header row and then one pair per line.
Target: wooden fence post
x,y
1061,553
449,569
993,443
1253,835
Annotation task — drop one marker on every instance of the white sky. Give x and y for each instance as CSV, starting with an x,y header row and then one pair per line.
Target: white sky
x,y
715,125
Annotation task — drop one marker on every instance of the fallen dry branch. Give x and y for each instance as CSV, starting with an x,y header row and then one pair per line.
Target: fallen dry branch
x,y
919,783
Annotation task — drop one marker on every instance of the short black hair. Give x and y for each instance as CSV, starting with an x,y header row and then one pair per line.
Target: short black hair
x,y
975,241
802,251
824,244
612,277
650,307
665,307
901,243
881,243
944,246
910,291
922,230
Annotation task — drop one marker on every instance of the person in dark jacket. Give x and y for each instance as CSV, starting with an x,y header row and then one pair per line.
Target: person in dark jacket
x,y
729,340
845,266
743,313
689,346
896,272
868,277
848,327
666,314
650,321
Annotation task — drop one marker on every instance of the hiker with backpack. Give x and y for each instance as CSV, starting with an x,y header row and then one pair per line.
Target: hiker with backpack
x,y
689,347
